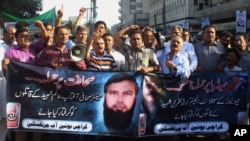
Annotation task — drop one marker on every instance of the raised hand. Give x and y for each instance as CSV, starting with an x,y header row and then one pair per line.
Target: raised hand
x,y
82,11
60,12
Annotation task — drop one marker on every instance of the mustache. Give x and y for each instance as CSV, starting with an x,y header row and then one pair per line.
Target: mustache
x,y
119,106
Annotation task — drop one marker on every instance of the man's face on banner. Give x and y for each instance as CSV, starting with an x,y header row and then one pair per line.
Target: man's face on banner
x,y
120,96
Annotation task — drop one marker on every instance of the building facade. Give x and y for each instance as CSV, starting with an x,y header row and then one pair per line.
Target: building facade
x,y
131,13
163,14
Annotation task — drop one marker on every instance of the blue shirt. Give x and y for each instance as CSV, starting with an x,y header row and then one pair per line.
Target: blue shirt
x,y
181,62
188,50
209,57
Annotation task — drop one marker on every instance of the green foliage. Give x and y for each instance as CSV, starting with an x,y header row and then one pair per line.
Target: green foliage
x,y
21,8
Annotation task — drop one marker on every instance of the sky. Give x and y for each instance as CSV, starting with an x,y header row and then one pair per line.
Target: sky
x,y
107,10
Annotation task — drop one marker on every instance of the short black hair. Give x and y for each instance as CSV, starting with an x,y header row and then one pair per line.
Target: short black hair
x,y
241,34
208,26
120,77
226,34
21,24
6,29
132,32
236,52
59,28
185,30
106,34
21,30
100,22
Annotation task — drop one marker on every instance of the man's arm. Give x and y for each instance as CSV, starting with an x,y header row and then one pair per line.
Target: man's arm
x,y
118,36
44,32
79,19
59,17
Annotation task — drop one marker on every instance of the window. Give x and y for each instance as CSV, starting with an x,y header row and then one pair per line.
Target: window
x,y
196,2
207,2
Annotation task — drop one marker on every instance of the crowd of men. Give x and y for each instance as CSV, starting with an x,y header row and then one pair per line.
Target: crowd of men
x,y
132,48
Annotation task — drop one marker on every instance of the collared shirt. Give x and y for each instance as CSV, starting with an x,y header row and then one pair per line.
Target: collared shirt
x,y
209,57
244,62
188,50
235,68
54,53
16,53
181,62
3,44
104,63
136,60
38,44
119,59
3,48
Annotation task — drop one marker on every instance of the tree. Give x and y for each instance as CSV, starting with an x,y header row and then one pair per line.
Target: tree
x,y
21,8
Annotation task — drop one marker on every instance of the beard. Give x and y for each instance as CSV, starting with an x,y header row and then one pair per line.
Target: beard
x,y
117,120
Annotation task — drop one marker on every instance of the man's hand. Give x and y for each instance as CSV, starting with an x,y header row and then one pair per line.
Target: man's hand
x,y
82,11
5,63
170,64
56,64
60,12
38,23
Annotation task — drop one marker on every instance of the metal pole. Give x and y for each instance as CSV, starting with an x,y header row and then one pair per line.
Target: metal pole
x,y
91,17
94,11
87,16
155,19
246,18
164,17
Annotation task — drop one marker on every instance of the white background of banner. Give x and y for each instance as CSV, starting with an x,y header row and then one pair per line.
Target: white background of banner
x,y
241,21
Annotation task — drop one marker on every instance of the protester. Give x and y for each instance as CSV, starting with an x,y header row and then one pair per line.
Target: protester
x,y
79,18
226,39
188,49
174,62
81,35
232,59
137,56
109,48
100,27
122,39
241,43
97,58
23,51
8,41
57,56
211,54
149,39
47,31
186,35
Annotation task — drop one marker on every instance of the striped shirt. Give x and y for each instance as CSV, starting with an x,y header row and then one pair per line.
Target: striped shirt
x,y
105,62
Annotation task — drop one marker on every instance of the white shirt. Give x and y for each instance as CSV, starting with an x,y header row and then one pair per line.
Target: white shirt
x,y
119,59
235,68
3,49
181,62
